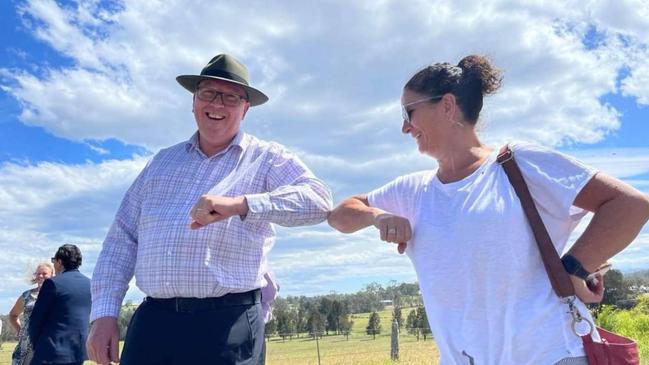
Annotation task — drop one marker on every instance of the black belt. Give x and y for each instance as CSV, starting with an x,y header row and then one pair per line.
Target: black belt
x,y
202,304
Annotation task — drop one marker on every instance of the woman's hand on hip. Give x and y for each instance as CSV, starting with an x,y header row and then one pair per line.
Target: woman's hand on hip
x,y
588,293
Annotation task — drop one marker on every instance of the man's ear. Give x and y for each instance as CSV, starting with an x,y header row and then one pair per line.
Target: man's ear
x,y
245,110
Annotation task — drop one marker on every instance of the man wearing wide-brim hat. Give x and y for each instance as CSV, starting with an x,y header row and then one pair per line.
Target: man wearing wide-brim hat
x,y
195,228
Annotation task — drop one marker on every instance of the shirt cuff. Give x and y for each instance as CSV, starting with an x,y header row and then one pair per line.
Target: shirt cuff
x,y
259,207
105,308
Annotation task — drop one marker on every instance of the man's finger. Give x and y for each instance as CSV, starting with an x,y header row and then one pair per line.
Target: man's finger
x,y
90,351
114,349
101,354
401,248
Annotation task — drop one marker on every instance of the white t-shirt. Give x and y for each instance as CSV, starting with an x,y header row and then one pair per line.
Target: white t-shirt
x,y
486,292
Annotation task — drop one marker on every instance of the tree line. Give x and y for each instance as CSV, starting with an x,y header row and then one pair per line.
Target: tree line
x,y
332,314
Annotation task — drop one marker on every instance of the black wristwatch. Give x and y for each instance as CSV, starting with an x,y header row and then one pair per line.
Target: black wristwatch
x,y
573,267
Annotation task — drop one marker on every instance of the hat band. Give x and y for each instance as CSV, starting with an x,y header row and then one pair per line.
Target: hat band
x,y
225,75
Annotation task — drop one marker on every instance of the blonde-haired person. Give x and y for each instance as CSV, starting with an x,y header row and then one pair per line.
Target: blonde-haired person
x,y
484,286
19,314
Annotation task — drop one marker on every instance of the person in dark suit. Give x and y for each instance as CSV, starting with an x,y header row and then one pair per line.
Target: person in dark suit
x,y
58,325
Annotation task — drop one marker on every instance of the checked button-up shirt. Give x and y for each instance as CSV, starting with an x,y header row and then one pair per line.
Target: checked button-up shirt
x,y
151,239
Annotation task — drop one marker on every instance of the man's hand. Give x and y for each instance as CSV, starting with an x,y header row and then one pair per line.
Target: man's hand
x,y
588,293
214,208
394,229
103,341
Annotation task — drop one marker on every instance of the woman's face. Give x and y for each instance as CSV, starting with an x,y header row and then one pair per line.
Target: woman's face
x,y
425,124
42,273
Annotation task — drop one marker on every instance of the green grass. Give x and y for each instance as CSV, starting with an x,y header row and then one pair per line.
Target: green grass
x,y
360,349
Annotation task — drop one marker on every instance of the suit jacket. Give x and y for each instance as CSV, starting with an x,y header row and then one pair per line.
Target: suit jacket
x,y
58,326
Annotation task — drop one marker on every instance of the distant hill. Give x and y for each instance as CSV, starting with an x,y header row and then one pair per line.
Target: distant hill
x,y
638,275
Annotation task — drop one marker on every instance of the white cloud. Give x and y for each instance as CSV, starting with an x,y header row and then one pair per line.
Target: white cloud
x,y
330,74
47,205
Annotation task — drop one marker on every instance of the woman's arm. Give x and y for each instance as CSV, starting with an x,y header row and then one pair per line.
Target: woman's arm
x,y
14,314
355,213
620,212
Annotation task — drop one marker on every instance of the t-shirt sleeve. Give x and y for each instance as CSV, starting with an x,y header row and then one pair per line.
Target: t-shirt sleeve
x,y
554,179
398,196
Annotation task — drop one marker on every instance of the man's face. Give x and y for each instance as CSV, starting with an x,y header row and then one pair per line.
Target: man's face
x,y
218,121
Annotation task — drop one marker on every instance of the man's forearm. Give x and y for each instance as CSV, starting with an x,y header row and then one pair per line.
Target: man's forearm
x,y
292,205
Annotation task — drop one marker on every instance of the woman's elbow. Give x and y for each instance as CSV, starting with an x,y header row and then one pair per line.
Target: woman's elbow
x,y
336,222
644,206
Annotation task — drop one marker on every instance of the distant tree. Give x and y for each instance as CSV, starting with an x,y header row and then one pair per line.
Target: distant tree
x,y
374,325
270,328
396,316
285,318
345,325
616,288
422,322
412,323
316,323
124,319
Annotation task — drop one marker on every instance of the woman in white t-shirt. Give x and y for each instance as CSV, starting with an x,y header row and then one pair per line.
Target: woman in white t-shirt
x,y
486,292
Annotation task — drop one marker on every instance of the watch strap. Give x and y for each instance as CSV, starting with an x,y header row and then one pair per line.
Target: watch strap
x,y
574,267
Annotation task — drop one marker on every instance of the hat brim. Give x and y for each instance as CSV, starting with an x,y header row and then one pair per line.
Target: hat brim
x,y
190,82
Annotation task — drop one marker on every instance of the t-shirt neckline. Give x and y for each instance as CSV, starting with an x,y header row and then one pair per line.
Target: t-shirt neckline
x,y
457,185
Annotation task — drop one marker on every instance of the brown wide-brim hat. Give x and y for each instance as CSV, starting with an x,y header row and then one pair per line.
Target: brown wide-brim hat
x,y
227,68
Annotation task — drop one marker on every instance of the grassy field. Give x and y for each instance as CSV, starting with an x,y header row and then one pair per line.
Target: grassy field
x,y
360,349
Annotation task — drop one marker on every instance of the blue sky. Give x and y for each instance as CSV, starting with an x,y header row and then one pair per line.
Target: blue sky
x,y
88,94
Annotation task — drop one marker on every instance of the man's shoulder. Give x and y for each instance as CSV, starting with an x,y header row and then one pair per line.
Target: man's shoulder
x,y
69,275
169,154
257,142
260,145
174,149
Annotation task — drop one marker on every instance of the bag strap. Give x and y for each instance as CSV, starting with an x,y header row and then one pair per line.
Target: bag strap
x,y
557,274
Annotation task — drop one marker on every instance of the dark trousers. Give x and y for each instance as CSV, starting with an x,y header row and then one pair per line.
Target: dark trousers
x,y
164,333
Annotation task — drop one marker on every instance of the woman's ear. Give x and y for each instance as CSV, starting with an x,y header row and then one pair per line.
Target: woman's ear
x,y
449,106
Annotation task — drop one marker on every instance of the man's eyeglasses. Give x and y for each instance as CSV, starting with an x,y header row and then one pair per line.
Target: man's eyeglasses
x,y
227,99
405,112
53,259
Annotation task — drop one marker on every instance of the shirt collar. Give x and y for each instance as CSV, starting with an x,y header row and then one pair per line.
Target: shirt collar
x,y
241,140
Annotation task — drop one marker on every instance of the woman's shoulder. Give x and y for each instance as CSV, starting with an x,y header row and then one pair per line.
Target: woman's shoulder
x,y
534,157
528,147
535,153
412,181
